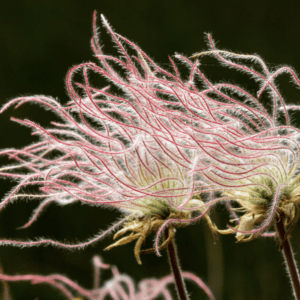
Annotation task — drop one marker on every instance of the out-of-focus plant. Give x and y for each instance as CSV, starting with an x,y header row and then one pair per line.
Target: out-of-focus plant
x,y
120,286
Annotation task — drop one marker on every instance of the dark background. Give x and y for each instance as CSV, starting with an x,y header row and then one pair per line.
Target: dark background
x,y
41,40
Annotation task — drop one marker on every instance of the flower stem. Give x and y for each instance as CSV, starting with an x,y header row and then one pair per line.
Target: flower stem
x,y
288,256
175,267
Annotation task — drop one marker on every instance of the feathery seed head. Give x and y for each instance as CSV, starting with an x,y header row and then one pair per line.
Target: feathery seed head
x,y
134,149
256,161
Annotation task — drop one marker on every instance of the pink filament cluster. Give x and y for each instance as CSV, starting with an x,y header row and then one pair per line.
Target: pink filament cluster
x,y
119,287
158,141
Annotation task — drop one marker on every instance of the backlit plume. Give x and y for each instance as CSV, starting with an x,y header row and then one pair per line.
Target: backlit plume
x,y
255,160
163,150
120,146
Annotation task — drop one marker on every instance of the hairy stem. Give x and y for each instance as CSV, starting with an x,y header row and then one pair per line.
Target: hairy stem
x,y
175,267
288,256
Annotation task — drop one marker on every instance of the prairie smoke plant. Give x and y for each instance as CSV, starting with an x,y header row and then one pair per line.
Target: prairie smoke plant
x,y
125,146
163,150
112,150
258,164
257,161
120,286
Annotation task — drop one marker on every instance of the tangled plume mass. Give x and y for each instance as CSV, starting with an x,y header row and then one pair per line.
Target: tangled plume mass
x,y
161,149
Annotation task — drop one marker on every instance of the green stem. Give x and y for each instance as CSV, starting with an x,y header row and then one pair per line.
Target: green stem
x,y
288,256
175,267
